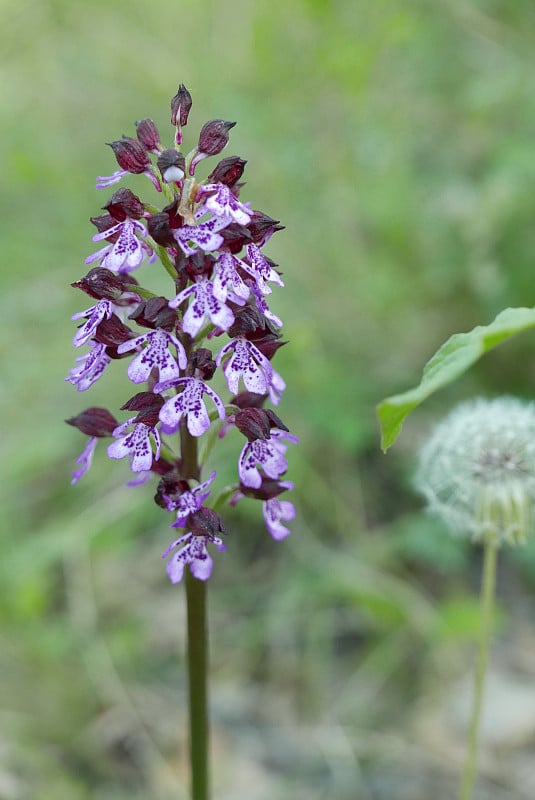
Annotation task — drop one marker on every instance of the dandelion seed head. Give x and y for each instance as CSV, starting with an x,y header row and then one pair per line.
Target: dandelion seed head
x,y
477,470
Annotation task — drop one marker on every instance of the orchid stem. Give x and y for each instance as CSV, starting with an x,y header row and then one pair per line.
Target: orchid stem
x,y
197,650
198,689
487,604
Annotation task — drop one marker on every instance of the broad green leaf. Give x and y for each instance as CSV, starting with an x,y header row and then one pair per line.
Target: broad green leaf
x,y
449,362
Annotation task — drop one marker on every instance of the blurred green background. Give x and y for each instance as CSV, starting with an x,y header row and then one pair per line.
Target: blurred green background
x,y
395,141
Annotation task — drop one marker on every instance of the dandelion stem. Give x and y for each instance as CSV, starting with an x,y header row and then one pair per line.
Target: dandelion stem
x,y
485,629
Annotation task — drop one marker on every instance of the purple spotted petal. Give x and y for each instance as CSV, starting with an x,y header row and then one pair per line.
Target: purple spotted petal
x,y
206,305
155,354
85,459
260,453
194,554
127,253
136,445
189,502
227,281
247,362
222,203
260,269
91,367
189,403
276,511
94,316
204,236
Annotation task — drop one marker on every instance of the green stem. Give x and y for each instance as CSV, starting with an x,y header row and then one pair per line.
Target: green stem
x,y
197,649
487,604
198,690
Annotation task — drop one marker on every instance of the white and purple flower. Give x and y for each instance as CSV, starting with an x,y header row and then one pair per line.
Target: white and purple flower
x,y
260,269
204,236
85,459
264,453
190,404
194,554
189,501
93,316
90,367
136,445
127,253
155,354
222,203
227,282
204,305
247,362
276,512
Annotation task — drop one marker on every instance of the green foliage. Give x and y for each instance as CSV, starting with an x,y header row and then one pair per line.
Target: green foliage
x,y
450,361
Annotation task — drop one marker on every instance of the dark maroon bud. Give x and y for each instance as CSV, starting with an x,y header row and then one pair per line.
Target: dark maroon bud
x,y
199,264
160,230
148,135
170,488
275,421
123,204
248,400
148,416
172,165
228,171
112,332
266,491
253,423
102,223
154,313
235,237
162,467
131,155
249,321
269,344
175,219
180,106
94,422
206,522
263,227
214,136
101,284
236,188
143,401
202,365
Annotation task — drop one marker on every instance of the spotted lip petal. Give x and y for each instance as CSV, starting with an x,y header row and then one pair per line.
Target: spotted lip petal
x,y
156,354
189,403
136,445
194,554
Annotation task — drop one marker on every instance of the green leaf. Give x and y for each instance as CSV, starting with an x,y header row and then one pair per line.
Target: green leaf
x,y
449,362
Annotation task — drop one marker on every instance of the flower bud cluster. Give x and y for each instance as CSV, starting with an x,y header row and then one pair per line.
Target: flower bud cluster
x,y
211,245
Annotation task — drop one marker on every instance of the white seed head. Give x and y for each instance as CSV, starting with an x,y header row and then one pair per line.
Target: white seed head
x,y
477,471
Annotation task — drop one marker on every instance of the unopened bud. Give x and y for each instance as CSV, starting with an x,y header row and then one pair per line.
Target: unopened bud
x,y
172,165
154,313
123,204
112,332
148,135
180,108
101,283
206,522
94,422
228,171
214,137
131,155
262,227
